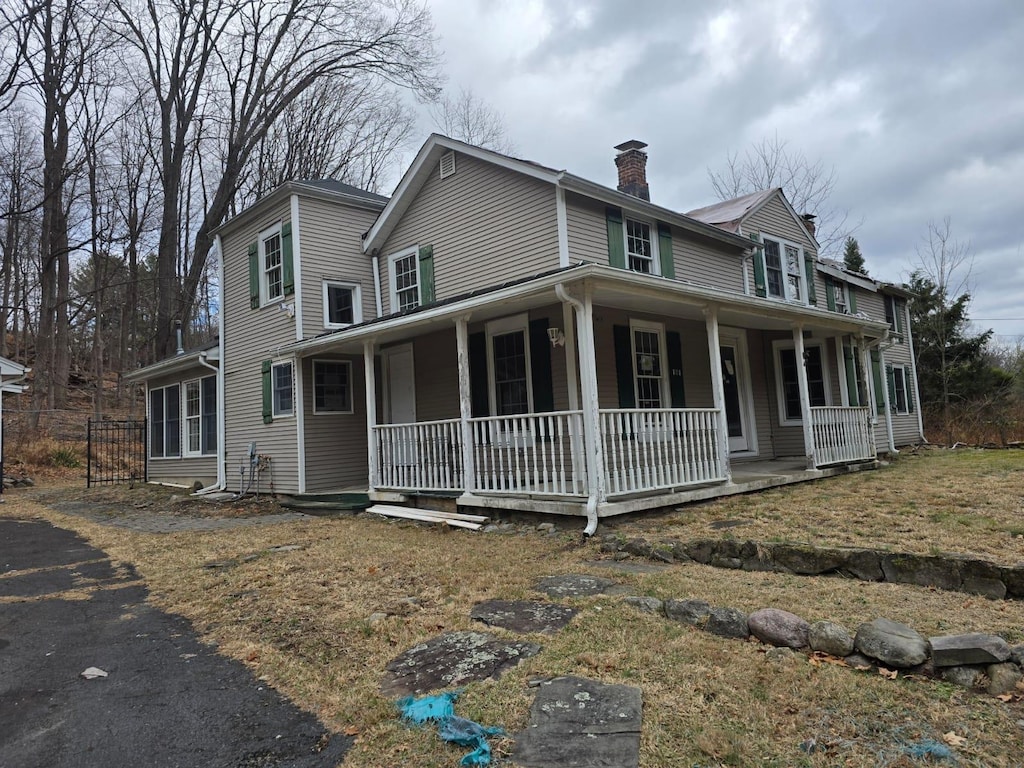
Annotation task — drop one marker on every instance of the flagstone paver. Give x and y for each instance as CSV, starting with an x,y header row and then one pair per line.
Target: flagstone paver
x,y
523,615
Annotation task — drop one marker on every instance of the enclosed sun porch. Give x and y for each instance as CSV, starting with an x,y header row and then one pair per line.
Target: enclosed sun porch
x,y
609,389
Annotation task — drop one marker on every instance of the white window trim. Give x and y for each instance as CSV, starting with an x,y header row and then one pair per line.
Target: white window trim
x,y
658,328
780,397
181,422
273,390
393,258
185,417
906,390
655,253
357,302
497,328
263,236
802,276
841,297
351,398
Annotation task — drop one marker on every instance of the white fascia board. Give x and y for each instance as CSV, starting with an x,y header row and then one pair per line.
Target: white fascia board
x,y
420,171
173,365
841,274
629,202
11,368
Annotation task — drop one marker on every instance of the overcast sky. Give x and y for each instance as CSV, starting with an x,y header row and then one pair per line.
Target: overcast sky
x,y
918,105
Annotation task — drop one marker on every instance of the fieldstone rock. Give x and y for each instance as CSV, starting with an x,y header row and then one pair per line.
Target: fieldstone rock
x,y
580,722
972,648
700,551
646,604
728,622
782,654
965,677
523,615
864,564
860,661
1013,578
638,547
546,527
808,560
573,585
609,546
759,557
923,570
892,643
1002,678
727,555
831,638
1017,654
452,659
694,612
993,589
779,628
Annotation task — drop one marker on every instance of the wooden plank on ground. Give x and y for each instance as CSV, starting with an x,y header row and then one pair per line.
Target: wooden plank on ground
x,y
421,515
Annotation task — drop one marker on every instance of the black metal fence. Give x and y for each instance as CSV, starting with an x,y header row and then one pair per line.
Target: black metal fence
x,y
116,452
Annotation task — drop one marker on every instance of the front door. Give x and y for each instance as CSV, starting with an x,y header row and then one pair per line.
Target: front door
x,y
736,387
400,401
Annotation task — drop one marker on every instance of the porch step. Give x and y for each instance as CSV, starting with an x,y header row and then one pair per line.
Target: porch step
x,y
472,522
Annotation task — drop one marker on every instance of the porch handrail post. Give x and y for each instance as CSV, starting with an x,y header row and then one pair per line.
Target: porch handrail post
x,y
805,396
465,404
718,389
588,384
869,385
371,413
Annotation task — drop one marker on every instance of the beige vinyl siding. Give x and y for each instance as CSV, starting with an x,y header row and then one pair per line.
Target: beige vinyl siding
x,y
697,259
335,442
487,225
330,245
251,336
185,470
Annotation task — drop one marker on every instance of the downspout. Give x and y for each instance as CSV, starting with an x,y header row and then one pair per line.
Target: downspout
x,y
917,389
221,479
376,284
593,469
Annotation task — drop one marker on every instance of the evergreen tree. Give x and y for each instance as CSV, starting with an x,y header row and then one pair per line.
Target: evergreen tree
x,y
852,258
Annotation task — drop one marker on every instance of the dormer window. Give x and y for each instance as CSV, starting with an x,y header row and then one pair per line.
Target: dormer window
x,y
640,246
779,270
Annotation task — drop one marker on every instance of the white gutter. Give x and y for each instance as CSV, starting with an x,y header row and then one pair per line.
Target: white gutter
x,y
222,480
588,378
376,284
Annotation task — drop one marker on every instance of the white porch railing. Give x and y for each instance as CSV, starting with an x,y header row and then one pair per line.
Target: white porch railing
x,y
533,453
425,456
842,434
660,448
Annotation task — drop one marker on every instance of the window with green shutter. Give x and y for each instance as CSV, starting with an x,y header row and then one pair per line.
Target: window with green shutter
x,y
426,256
760,284
616,238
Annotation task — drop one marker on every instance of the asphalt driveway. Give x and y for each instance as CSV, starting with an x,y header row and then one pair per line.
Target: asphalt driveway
x,y
168,700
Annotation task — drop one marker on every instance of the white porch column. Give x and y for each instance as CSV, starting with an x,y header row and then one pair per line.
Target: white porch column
x,y
588,383
805,396
571,376
371,413
465,405
718,389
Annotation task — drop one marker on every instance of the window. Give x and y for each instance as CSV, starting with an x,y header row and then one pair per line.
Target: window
x,y
790,412
342,304
509,353
640,247
405,292
281,383
201,416
784,271
165,422
271,265
901,402
839,297
332,386
648,364
894,312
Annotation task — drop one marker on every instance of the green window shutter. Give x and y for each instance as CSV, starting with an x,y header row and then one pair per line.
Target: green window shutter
x,y
427,274
254,276
851,375
760,281
624,366
616,243
540,366
890,378
674,344
830,293
268,394
812,292
668,265
479,396
287,266
852,293
910,390
876,374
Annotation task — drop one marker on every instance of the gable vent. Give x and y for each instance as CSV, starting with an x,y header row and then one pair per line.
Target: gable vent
x,y
447,164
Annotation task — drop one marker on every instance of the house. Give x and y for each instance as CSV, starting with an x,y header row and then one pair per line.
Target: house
x,y
516,336
11,376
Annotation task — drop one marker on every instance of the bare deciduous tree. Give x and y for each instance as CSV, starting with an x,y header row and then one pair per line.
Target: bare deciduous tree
x,y
808,186
468,118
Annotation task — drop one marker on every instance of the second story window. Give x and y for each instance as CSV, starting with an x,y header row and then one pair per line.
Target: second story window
x,y
270,258
342,305
839,297
639,246
405,279
780,270
894,311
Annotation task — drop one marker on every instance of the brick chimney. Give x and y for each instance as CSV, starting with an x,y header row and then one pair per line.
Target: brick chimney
x,y
809,222
632,164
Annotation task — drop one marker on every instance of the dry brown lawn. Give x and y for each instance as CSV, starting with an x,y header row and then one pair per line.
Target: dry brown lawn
x,y
299,619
